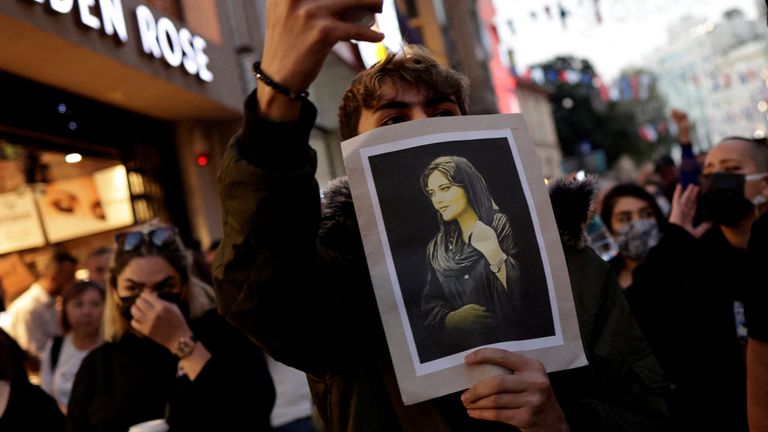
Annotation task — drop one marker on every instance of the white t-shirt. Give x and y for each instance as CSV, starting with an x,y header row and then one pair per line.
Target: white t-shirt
x,y
58,383
293,399
32,319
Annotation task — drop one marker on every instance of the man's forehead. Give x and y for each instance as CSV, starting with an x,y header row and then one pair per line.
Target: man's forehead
x,y
729,150
390,90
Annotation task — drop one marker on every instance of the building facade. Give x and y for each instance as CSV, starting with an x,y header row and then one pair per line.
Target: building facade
x,y
717,73
117,112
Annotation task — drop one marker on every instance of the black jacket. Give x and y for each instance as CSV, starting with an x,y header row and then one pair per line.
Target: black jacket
x,y
294,277
135,380
682,296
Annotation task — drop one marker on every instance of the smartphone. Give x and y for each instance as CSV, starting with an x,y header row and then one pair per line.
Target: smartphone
x,y
359,15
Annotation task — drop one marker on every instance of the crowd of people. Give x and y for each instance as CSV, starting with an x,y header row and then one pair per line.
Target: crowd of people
x,y
281,330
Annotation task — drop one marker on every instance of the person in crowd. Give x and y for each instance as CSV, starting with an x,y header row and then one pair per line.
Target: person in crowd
x,y
666,170
667,173
81,316
690,292
97,264
162,360
654,269
690,168
292,274
757,325
636,222
32,318
23,405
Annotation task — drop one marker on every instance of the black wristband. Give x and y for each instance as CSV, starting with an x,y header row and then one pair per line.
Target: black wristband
x,y
266,79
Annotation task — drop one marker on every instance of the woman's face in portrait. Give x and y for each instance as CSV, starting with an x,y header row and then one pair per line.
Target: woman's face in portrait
x,y
152,273
448,199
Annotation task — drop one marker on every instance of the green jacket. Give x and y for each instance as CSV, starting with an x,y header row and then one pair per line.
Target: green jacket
x,y
292,274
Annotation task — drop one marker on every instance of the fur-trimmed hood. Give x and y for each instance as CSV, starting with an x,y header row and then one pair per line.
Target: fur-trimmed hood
x,y
571,202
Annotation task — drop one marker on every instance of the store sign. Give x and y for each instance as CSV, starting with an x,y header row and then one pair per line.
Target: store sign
x,y
159,37
19,221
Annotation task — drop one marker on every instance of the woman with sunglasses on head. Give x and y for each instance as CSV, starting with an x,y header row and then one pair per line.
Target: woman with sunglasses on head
x,y
168,357
81,316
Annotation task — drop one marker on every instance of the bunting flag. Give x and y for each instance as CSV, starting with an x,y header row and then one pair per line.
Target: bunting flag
x,y
727,80
563,15
598,15
648,133
695,80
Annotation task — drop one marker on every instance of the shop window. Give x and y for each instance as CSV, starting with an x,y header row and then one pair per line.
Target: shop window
x,y
80,196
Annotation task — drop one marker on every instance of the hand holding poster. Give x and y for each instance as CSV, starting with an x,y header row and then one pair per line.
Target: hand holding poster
x,y
462,249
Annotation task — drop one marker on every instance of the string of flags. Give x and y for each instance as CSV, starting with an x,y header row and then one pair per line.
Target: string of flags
x,y
719,81
558,11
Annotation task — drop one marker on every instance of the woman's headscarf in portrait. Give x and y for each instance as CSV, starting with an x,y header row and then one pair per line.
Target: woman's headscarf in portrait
x,y
442,251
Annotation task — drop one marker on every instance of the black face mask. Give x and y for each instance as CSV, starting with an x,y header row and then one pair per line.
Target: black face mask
x,y
176,299
127,302
722,199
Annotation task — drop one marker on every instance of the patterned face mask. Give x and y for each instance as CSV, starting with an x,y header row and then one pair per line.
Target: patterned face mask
x,y
636,238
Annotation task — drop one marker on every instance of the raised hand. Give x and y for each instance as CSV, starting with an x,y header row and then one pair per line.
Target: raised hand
x,y
522,398
299,36
683,126
684,210
159,320
470,317
484,239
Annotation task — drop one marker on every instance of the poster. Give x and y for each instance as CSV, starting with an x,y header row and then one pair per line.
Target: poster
x,y
15,277
19,221
86,205
462,249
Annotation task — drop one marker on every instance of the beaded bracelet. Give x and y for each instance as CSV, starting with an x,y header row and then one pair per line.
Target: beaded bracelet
x,y
266,79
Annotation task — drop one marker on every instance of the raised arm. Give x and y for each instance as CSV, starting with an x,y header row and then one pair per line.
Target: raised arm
x,y
272,279
300,34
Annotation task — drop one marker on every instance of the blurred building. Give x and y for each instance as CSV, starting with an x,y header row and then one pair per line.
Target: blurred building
x,y
717,73
119,112
131,103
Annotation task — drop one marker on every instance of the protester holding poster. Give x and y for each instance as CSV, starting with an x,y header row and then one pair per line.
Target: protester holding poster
x,y
294,277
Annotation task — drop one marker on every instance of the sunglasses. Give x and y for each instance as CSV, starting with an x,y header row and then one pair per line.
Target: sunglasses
x,y
158,237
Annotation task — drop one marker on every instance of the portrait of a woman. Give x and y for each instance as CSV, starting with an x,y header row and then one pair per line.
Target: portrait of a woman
x,y
473,294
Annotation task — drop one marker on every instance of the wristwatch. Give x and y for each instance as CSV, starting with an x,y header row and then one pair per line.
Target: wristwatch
x,y
185,346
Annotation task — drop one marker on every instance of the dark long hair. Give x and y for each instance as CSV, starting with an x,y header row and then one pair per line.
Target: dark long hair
x,y
459,172
629,190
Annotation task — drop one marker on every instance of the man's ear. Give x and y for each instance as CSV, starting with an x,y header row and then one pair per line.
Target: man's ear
x,y
764,187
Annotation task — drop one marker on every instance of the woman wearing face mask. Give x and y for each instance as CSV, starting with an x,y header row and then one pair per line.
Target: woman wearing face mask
x,y
654,267
688,293
81,316
636,222
734,195
168,356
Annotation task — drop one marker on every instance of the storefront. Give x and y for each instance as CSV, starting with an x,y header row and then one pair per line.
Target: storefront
x,y
113,113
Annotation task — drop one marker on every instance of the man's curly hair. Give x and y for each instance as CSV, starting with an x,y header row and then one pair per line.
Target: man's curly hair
x,y
414,66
